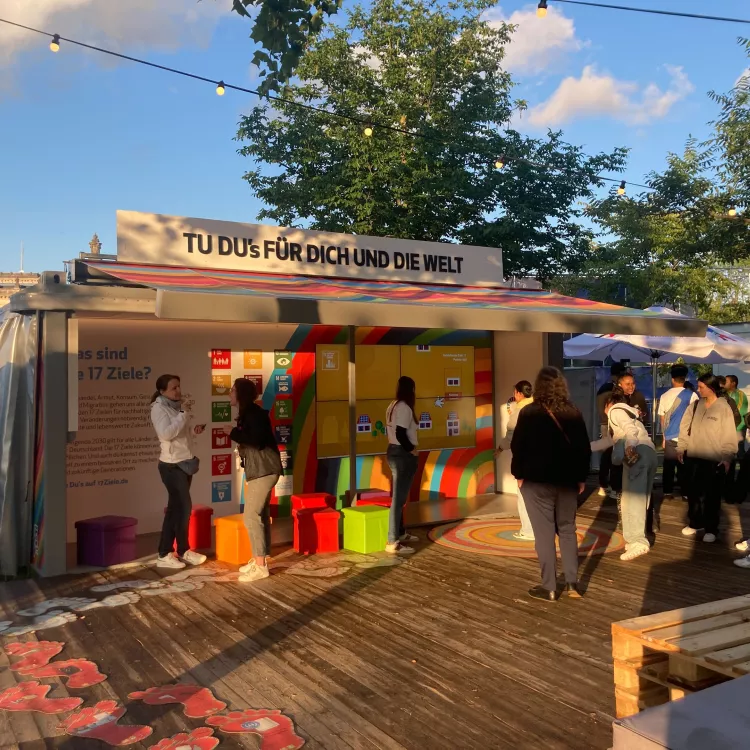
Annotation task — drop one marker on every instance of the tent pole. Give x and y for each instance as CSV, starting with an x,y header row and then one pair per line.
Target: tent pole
x,y
653,401
352,417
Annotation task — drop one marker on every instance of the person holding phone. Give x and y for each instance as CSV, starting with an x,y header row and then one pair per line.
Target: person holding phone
x,y
707,445
401,429
177,465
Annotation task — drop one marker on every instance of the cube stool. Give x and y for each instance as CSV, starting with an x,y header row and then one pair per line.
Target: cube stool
x,y
366,528
313,500
316,530
199,532
106,540
232,540
381,498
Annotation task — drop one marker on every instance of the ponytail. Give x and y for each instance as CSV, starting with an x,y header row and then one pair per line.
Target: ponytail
x,y
162,383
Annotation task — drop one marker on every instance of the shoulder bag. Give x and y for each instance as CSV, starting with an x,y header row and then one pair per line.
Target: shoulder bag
x,y
259,463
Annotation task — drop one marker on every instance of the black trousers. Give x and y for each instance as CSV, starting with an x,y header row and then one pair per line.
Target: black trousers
x,y
179,506
742,482
609,474
705,482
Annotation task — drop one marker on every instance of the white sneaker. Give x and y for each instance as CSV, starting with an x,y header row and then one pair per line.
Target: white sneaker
x,y
690,531
169,561
249,567
635,550
709,538
398,549
523,537
407,537
743,546
257,573
194,558
743,562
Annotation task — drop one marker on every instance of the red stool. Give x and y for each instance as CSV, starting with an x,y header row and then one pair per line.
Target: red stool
x,y
316,530
376,497
313,500
199,531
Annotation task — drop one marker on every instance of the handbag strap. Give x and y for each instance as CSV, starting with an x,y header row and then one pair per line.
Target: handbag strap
x,y
559,426
695,409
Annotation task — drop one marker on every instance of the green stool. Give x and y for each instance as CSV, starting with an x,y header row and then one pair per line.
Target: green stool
x,y
366,528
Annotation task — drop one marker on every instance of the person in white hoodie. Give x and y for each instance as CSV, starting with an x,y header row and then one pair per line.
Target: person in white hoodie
x,y
707,445
634,449
177,464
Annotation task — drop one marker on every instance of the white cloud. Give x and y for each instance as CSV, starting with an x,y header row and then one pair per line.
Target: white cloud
x,y
536,43
164,25
371,60
599,95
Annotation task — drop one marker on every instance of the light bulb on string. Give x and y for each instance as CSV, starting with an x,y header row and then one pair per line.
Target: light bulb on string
x,y
541,9
500,163
621,189
368,131
54,45
732,211
220,89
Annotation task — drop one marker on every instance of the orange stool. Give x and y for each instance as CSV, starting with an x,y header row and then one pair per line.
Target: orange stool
x,y
316,530
232,541
313,500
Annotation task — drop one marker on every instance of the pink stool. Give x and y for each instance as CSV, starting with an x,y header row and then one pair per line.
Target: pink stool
x,y
316,530
375,497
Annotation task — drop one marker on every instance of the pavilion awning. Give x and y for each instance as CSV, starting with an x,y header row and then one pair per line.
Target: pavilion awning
x,y
201,294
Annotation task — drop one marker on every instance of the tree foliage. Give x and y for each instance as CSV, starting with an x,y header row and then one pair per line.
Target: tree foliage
x,y
437,73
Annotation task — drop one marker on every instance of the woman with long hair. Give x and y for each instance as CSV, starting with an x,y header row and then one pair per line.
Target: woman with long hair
x,y
707,445
177,465
401,429
522,396
261,461
551,458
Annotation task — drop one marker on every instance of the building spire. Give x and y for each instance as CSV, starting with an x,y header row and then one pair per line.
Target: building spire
x,y
95,245
21,269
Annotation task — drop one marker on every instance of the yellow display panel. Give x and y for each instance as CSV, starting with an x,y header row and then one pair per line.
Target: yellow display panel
x,y
371,434
333,429
332,372
440,370
378,369
452,425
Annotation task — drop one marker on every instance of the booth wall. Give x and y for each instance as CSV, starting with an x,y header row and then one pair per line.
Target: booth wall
x,y
112,464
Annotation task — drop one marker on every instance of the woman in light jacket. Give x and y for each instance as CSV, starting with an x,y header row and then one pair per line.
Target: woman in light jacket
x,y
707,446
177,464
521,397
634,450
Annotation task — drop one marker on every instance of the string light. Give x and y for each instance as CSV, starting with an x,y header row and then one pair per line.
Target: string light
x,y
54,45
368,131
621,189
541,9
500,163
220,89
732,211
655,11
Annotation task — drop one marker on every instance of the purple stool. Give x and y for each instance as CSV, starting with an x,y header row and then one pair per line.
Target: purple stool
x,y
107,540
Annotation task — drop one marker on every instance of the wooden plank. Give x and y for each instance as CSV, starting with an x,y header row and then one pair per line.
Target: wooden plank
x,y
695,627
688,671
714,640
729,656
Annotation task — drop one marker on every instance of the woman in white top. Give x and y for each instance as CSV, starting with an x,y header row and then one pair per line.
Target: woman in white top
x,y
177,464
401,428
634,448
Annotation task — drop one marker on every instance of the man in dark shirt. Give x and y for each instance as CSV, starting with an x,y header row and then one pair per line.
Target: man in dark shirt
x,y
634,397
610,478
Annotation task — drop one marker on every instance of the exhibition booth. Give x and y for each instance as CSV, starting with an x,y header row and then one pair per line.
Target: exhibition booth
x,y
323,323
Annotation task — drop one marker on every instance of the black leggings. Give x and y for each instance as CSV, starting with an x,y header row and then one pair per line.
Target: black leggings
x,y
177,518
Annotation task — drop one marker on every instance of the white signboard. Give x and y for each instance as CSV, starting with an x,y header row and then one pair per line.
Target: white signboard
x,y
210,244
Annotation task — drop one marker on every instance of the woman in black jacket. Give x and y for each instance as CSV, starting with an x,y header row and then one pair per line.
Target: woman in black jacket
x,y
262,464
551,457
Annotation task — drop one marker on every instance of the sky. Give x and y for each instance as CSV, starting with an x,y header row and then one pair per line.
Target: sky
x,y
82,135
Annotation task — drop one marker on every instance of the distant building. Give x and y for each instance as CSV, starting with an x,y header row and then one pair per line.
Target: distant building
x,y
10,283
740,276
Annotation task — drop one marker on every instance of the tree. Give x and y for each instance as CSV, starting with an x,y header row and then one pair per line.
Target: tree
x,y
436,73
669,245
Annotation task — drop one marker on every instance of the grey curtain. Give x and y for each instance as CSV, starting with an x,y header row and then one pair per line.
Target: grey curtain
x,y
18,361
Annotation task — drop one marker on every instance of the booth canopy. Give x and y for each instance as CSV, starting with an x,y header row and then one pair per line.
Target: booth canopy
x,y
202,294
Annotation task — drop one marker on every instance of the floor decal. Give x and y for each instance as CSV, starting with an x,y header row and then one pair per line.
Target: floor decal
x,y
54,619
198,739
495,537
32,696
99,722
79,673
275,730
198,701
34,654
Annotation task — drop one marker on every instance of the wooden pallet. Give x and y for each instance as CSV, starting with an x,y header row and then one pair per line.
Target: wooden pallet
x,y
663,657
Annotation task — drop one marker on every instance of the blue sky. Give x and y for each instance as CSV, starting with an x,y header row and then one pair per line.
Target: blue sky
x,y
82,136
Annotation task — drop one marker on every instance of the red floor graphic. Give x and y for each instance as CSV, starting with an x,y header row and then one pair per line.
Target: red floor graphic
x,y
36,654
275,730
80,673
198,739
99,722
32,696
199,702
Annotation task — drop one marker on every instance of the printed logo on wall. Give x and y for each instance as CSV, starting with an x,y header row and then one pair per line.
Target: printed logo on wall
x,y
453,382
423,347
219,439
221,385
221,359
221,411
454,426
258,380
282,360
364,423
330,360
425,421
221,492
285,486
221,465
286,462
253,359
283,408
283,433
283,384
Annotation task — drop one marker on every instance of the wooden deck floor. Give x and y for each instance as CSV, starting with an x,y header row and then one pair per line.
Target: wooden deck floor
x,y
442,651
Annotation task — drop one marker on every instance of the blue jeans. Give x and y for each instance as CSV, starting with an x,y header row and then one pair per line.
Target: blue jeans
x,y
403,467
637,484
